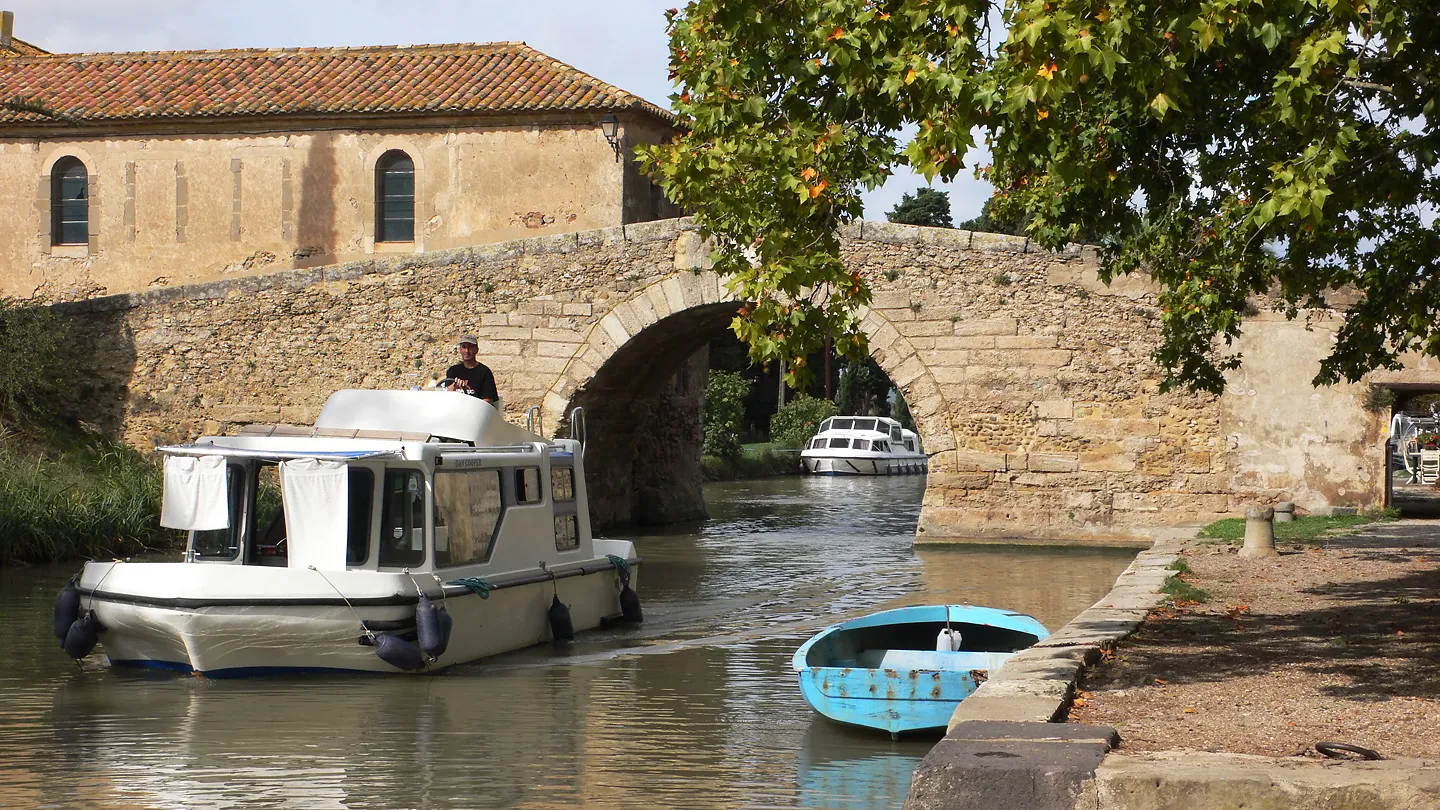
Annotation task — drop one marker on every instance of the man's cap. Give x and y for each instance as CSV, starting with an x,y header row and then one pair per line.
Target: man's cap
x,y
468,339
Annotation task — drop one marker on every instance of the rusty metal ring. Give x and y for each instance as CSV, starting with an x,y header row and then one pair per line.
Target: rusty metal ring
x,y
1336,750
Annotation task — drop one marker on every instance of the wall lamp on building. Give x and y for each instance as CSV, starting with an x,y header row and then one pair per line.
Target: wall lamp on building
x,y
610,128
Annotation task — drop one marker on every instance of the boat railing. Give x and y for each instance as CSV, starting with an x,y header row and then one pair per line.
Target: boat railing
x,y
534,420
577,427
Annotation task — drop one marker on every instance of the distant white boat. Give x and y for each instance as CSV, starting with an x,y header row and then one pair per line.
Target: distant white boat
x,y
864,445
405,530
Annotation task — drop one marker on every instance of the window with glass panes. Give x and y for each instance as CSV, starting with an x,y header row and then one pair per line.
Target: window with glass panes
x,y
395,198
69,203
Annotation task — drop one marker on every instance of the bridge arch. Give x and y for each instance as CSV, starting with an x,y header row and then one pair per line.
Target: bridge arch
x,y
620,372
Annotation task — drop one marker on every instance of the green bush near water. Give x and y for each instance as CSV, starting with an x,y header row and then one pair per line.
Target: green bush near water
x,y
793,425
754,461
94,498
725,393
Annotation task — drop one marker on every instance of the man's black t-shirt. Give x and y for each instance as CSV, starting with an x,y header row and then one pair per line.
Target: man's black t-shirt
x,y
481,379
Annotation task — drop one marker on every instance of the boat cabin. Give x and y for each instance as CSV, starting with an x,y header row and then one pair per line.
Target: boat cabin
x,y
384,481
873,433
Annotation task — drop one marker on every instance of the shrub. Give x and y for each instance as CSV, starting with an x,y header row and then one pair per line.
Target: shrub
x,y
99,499
33,354
794,424
725,393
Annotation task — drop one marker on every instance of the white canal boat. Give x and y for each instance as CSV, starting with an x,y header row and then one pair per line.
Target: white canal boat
x,y
405,531
864,445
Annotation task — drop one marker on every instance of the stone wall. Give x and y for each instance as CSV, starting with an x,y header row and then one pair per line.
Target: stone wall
x,y
1030,381
1047,385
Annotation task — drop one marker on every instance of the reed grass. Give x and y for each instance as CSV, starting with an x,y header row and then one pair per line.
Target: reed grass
x,y
754,461
92,498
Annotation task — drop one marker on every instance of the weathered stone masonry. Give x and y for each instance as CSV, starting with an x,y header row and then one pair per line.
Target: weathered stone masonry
x,y
1030,381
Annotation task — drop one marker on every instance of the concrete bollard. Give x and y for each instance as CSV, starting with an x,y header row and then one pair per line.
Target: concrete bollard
x,y
1284,512
1259,533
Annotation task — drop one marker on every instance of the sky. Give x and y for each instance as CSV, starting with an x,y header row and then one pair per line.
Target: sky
x,y
622,42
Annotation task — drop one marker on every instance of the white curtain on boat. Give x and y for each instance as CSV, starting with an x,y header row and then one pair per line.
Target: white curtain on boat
x,y
316,494
195,496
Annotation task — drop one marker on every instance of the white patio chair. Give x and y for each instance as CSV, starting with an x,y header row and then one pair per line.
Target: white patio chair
x,y
1429,466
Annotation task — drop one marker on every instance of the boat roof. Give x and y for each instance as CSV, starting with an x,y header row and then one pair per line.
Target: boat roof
x,y
364,424
447,414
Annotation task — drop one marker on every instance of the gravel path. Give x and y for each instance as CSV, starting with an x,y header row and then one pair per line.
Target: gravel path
x,y
1339,642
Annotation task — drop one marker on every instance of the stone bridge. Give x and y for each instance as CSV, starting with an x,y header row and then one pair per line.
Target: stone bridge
x,y
1030,382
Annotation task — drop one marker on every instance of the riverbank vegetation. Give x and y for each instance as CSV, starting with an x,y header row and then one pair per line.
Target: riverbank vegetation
x,y
763,460
65,491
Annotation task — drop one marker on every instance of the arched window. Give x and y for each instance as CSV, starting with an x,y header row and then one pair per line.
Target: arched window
x,y
69,203
395,198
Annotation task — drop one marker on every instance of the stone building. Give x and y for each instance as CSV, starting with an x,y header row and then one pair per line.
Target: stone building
x,y
126,171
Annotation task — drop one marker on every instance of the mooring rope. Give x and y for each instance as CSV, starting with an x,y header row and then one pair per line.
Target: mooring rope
x,y
476,585
367,631
622,565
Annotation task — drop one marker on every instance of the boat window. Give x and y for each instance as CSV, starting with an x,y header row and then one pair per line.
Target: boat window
x,y
824,426
267,543
862,444
840,443
402,519
909,445
562,483
362,501
567,533
882,447
527,485
467,515
817,444
223,544
895,434
864,424
844,424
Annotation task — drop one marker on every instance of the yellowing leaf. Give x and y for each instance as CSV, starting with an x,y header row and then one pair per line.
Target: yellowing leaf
x,y
910,76
819,188
1047,71
1042,114
808,173
838,33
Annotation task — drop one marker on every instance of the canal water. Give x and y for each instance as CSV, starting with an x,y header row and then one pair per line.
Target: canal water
x,y
697,708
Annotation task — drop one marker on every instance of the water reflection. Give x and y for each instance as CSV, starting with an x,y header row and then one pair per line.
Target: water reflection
x,y
696,709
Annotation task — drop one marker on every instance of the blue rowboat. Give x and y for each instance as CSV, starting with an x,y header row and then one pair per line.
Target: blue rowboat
x,y
884,670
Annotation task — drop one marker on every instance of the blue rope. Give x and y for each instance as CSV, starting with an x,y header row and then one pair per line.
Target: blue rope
x,y
622,565
476,585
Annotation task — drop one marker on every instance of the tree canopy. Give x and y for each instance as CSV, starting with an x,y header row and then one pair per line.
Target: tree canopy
x,y
925,207
1232,148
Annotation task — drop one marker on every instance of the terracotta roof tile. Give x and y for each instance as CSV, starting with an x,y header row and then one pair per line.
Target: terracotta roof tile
x,y
498,77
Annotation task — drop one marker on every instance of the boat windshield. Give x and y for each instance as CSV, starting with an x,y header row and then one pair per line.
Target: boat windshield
x,y
257,518
864,424
824,426
842,443
844,424
224,544
268,537
862,444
